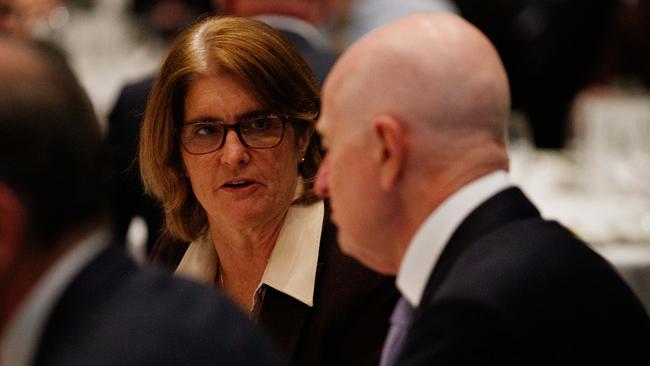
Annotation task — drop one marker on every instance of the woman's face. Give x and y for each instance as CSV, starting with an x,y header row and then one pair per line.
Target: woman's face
x,y
237,185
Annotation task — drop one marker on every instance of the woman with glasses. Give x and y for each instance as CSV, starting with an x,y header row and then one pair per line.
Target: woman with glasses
x,y
228,148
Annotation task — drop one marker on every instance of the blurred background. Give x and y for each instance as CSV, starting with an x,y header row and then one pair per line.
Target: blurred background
x,y
579,72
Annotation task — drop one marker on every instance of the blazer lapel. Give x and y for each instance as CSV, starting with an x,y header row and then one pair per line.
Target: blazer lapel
x,y
504,207
284,317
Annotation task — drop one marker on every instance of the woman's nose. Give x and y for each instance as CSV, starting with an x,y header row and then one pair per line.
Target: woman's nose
x,y
234,152
321,187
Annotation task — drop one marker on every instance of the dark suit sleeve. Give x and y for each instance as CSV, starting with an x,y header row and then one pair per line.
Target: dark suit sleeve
x,y
129,199
117,313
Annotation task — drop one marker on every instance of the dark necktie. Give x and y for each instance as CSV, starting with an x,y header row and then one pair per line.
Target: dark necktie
x,y
400,322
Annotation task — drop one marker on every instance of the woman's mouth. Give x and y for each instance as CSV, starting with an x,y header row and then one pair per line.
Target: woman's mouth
x,y
239,185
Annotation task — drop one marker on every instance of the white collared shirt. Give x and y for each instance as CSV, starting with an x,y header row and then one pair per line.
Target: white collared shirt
x,y
23,333
426,246
291,268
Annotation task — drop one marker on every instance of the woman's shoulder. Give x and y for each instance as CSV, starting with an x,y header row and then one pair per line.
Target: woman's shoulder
x,y
168,252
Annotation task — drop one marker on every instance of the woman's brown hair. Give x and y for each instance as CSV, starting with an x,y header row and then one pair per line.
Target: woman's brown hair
x,y
269,66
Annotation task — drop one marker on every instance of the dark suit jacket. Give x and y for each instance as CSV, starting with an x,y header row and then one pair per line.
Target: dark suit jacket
x,y
549,49
129,199
513,289
348,322
320,60
114,313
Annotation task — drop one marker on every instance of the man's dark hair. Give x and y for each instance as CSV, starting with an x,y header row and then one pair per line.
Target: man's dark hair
x,y
51,149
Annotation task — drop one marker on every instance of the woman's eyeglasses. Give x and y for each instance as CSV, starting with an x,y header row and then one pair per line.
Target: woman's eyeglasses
x,y
256,132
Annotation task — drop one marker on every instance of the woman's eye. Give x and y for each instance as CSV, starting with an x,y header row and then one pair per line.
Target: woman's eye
x,y
206,130
260,124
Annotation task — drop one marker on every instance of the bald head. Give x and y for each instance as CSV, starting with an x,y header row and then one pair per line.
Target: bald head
x,y
411,113
434,70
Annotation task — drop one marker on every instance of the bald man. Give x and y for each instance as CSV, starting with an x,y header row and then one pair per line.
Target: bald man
x,y
414,119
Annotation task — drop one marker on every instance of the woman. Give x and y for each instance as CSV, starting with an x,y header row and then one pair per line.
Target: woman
x,y
228,148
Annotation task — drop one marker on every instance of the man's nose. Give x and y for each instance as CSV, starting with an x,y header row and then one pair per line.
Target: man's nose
x,y
234,152
321,187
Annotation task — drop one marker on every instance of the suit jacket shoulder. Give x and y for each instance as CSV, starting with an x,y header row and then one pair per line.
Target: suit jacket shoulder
x,y
512,288
114,313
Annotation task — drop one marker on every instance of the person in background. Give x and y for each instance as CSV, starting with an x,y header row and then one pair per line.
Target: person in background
x,y
165,19
9,18
550,50
67,295
414,121
348,20
625,60
31,18
297,20
227,147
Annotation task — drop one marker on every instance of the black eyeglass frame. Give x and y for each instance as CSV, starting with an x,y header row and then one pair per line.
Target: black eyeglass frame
x,y
237,127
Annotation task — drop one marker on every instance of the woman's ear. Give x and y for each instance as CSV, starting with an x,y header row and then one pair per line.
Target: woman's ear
x,y
304,139
390,151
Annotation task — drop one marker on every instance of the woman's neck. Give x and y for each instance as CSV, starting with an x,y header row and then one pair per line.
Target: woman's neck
x,y
243,256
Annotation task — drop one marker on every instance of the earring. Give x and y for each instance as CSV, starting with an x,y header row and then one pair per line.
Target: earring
x,y
301,166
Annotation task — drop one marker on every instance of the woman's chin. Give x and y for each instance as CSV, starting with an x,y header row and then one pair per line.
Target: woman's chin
x,y
247,214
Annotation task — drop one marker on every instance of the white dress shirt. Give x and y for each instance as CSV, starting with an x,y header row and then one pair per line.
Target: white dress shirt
x,y
291,268
426,246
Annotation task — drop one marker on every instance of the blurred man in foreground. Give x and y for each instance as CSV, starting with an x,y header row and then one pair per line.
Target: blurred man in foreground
x,y
67,297
414,119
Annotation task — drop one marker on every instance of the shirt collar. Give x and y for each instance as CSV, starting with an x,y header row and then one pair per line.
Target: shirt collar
x,y
291,268
432,236
18,345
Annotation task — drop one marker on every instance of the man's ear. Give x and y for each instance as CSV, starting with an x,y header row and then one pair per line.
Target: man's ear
x,y
391,151
12,223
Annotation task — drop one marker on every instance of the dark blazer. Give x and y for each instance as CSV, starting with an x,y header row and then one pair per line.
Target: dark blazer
x,y
319,59
549,50
513,289
129,199
348,322
115,313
